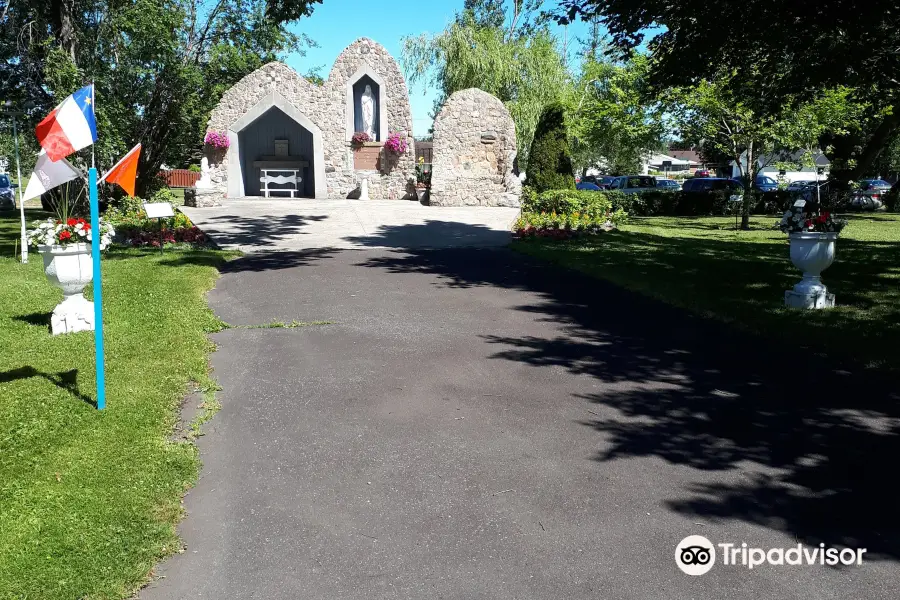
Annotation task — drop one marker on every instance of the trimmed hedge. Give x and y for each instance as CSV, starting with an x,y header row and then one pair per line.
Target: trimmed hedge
x,y
650,203
564,202
549,161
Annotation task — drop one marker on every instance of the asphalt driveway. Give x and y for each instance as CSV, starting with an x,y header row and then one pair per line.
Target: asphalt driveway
x,y
472,424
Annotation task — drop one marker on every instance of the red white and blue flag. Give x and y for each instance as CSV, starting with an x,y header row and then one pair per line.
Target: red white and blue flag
x,y
70,127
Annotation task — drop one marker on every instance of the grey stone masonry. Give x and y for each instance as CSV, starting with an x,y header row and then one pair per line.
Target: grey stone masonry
x,y
326,112
474,153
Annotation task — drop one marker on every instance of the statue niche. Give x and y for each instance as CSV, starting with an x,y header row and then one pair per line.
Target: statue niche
x,y
366,107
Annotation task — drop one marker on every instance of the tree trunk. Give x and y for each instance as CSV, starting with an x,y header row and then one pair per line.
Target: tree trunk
x,y
62,12
749,180
876,144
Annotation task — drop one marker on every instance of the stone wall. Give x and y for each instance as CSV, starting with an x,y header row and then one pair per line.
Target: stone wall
x,y
474,153
365,57
325,107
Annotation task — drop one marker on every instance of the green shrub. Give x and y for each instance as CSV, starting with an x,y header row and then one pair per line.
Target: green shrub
x,y
549,162
891,201
194,168
564,202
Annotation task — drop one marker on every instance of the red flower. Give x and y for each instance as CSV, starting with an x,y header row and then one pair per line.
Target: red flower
x,y
826,214
87,226
64,235
821,219
72,222
808,224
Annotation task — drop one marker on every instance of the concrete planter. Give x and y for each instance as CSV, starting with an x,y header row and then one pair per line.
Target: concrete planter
x,y
70,269
812,253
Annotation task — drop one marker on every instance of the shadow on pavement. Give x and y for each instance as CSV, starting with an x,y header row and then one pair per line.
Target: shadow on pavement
x,y
433,234
801,445
262,232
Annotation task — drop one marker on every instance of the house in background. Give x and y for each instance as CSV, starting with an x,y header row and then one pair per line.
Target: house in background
x,y
669,164
798,173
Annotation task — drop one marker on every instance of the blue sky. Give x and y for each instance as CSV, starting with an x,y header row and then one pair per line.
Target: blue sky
x,y
335,24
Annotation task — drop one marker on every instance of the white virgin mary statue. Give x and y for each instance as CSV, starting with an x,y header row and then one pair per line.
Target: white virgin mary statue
x,y
367,105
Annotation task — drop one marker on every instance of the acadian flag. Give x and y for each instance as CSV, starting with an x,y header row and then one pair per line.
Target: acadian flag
x,y
124,172
70,127
47,175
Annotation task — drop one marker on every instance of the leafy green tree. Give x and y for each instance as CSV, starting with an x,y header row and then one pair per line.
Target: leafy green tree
x,y
517,61
780,54
609,119
159,66
549,162
712,115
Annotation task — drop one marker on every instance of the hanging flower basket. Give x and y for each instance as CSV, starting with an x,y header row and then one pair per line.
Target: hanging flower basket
x,y
396,143
217,140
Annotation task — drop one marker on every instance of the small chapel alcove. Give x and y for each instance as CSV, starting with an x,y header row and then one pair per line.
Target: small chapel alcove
x,y
277,148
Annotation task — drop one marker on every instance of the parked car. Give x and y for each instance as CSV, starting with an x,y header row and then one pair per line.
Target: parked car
x,y
711,184
702,173
668,184
7,193
633,184
764,183
870,195
801,185
874,185
605,181
587,185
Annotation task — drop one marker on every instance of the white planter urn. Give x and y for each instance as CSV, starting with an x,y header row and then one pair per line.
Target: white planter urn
x,y
70,269
812,252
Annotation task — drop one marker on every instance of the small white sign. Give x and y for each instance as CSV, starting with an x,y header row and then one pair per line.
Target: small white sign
x,y
158,210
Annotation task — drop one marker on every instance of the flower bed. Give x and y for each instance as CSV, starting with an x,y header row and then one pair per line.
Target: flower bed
x,y
133,228
560,226
564,214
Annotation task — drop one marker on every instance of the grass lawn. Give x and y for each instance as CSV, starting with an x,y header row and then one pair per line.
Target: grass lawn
x,y
704,265
88,499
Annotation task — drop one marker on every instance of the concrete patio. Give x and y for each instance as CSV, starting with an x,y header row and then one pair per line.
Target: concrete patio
x,y
256,224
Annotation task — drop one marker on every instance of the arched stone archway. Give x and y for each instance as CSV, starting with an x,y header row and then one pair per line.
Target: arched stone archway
x,y
239,156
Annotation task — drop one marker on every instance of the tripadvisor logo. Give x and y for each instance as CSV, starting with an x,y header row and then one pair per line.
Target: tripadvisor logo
x,y
696,555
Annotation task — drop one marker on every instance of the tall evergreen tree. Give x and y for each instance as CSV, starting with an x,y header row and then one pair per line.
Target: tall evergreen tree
x,y
550,161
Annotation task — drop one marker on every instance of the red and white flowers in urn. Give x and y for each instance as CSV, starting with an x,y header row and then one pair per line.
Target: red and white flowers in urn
x,y
58,232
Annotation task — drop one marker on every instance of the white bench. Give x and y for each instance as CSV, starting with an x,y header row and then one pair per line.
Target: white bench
x,y
287,176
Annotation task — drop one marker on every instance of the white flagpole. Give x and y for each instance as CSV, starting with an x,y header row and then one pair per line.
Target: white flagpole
x,y
21,202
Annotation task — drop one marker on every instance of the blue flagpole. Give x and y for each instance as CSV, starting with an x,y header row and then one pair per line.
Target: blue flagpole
x,y
98,290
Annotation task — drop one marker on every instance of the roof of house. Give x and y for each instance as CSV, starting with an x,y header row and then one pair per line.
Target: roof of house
x,y
690,155
657,159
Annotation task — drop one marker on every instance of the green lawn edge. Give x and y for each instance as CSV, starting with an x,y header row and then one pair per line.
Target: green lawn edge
x,y
90,500
704,265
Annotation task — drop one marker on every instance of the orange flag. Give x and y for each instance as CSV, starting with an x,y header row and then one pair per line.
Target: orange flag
x,y
124,172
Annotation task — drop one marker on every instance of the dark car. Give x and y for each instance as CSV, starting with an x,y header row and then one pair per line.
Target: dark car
x,y
763,183
7,193
633,184
711,184
874,185
668,184
587,185
870,195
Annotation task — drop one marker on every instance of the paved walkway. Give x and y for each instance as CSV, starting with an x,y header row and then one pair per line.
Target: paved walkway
x,y
476,425
276,224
